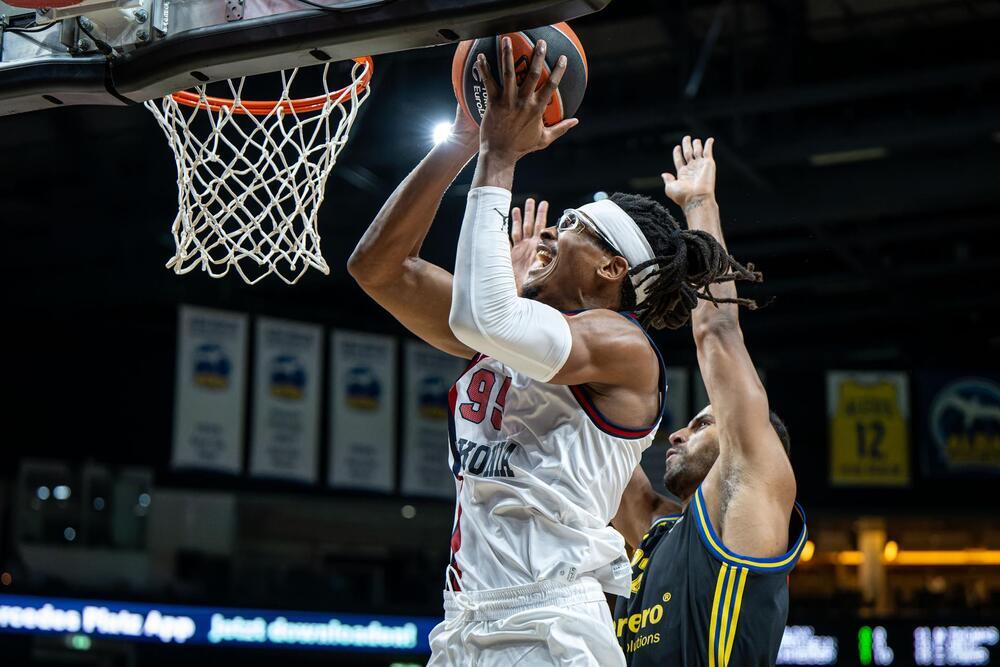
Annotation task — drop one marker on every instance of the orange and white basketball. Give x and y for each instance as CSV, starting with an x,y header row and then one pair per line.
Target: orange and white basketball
x,y
560,39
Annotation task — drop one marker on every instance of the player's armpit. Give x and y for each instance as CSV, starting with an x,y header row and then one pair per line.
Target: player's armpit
x,y
608,349
639,506
420,298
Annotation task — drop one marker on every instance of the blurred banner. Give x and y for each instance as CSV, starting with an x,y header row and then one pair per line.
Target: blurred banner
x,y
934,640
429,375
960,424
210,389
214,626
287,386
362,411
675,414
869,430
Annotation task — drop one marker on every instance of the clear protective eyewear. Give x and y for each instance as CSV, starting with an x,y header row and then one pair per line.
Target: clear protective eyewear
x,y
573,220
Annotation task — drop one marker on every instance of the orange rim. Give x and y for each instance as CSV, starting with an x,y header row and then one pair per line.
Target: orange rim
x,y
264,107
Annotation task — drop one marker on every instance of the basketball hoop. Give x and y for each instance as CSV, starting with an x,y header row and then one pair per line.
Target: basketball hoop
x,y
251,175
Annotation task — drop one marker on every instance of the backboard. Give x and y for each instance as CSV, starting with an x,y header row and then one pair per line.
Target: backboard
x,y
123,52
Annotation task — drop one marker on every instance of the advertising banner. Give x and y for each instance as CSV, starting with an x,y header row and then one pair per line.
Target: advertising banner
x,y
890,641
428,376
210,389
869,415
287,386
362,411
959,427
213,626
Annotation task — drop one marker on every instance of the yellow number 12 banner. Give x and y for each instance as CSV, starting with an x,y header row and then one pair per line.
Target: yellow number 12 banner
x,y
869,428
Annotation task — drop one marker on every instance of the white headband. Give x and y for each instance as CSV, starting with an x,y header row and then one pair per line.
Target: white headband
x,y
619,228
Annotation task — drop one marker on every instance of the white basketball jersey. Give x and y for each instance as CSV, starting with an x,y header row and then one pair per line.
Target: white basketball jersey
x,y
539,474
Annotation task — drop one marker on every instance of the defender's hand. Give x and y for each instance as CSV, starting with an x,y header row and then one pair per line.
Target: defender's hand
x,y
695,179
525,235
464,132
513,126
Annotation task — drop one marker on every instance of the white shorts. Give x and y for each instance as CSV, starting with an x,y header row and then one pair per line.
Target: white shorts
x,y
548,623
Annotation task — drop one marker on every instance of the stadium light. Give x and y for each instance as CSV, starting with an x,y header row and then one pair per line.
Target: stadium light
x,y
906,557
956,557
441,132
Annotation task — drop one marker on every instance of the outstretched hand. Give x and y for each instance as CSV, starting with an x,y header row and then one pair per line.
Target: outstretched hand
x,y
513,125
525,235
695,179
464,132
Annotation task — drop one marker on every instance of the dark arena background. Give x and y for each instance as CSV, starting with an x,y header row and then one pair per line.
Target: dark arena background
x,y
858,144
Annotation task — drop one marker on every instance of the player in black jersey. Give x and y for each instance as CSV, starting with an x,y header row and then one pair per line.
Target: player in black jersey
x,y
709,574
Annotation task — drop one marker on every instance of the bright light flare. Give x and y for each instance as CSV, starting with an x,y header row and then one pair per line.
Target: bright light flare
x,y
441,132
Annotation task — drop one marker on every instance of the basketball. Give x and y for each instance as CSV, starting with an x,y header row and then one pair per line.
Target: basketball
x,y
561,41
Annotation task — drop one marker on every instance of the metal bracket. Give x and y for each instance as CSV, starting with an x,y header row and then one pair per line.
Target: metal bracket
x,y
234,10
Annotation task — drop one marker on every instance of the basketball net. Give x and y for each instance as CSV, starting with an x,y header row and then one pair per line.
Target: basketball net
x,y
251,175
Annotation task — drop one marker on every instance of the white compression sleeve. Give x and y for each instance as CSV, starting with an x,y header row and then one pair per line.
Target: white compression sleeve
x,y
486,312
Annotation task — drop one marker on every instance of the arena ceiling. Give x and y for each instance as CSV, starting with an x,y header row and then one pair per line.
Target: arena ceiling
x,y
858,146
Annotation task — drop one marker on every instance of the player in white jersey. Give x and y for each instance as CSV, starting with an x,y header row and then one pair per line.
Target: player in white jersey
x,y
538,450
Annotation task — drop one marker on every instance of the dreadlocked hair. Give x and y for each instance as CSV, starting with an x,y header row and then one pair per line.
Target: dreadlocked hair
x,y
686,262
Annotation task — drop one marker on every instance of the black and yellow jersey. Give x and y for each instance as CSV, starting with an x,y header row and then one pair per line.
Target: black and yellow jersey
x,y
695,602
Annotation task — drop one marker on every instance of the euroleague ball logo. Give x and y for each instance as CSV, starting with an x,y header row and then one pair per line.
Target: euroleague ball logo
x,y
479,93
521,69
965,423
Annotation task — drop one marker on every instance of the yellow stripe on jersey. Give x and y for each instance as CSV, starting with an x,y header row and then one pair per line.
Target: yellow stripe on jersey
x,y
720,645
708,534
736,614
720,585
670,518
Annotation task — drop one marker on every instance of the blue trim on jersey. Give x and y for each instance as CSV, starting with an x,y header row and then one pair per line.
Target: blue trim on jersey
x,y
716,547
659,358
599,419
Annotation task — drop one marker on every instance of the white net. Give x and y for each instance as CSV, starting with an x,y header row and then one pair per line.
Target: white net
x,y
251,175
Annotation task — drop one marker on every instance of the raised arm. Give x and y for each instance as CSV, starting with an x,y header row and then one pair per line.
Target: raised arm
x,y
751,456
386,262
487,313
